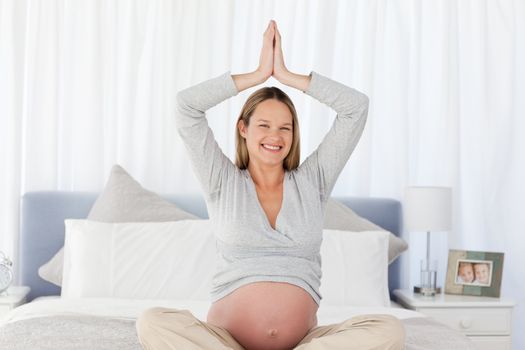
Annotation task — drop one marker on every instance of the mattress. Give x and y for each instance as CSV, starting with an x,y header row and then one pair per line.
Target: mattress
x,y
108,323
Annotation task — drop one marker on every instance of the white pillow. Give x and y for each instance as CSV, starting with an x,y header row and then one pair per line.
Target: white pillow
x,y
340,217
122,200
355,268
141,260
175,260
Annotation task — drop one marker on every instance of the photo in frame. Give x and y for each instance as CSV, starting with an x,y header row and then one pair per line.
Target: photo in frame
x,y
474,273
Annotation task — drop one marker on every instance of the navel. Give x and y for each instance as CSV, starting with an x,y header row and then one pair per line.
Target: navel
x,y
272,333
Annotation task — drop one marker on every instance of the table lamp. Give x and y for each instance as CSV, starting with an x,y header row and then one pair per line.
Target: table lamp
x,y
427,209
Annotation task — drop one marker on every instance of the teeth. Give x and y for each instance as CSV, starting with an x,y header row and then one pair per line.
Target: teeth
x,y
275,148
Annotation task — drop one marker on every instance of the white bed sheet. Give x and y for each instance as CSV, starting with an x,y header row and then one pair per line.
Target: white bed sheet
x,y
131,309
422,333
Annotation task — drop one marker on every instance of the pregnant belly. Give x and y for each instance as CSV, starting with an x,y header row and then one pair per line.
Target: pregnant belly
x,y
266,315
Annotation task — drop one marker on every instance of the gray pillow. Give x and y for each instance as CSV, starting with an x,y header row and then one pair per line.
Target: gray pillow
x,y
340,217
122,200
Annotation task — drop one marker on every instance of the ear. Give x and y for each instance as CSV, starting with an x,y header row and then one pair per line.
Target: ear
x,y
242,128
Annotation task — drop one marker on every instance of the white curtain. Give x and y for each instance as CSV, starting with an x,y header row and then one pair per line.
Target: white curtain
x,y
86,84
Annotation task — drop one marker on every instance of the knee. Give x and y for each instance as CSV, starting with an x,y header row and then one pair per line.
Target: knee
x,y
386,329
393,330
161,317
148,318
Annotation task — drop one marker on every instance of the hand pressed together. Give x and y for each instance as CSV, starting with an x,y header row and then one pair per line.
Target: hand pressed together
x,y
271,62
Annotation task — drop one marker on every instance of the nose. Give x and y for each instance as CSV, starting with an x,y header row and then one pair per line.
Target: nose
x,y
274,134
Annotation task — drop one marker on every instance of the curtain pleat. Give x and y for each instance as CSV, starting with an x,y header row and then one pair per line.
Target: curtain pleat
x,y
85,85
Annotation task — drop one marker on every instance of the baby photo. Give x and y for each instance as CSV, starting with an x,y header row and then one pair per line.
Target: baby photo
x,y
474,272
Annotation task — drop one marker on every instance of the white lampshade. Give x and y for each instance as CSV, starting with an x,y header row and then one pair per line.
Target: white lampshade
x,y
428,209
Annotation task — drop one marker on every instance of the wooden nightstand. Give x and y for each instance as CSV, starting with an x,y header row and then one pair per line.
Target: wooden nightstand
x,y
487,321
14,297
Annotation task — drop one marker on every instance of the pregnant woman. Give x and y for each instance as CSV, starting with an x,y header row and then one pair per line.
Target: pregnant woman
x,y
268,212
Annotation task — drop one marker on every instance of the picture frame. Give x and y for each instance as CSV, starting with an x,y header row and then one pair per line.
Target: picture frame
x,y
474,273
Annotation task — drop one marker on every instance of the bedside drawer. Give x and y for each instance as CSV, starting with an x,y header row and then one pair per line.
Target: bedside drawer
x,y
492,343
487,321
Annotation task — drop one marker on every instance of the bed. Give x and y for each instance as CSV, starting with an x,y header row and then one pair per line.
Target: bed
x,y
49,321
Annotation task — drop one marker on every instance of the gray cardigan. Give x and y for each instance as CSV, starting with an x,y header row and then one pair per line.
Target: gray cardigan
x,y
248,248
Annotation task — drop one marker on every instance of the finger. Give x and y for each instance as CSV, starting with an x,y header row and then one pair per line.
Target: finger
x,y
268,29
269,36
277,38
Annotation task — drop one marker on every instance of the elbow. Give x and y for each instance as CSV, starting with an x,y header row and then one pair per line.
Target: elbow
x,y
186,100
186,114
179,110
181,100
364,101
359,104
361,108
183,108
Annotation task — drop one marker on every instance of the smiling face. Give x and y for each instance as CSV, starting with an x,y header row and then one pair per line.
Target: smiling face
x,y
482,273
466,272
269,135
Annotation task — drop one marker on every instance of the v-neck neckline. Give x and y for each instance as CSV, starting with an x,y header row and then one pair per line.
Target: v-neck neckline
x,y
261,209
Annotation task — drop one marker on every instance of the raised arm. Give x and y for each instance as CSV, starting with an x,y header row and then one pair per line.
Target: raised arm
x,y
209,162
325,164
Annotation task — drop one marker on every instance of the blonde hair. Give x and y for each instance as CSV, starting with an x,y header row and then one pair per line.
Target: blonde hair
x,y
293,157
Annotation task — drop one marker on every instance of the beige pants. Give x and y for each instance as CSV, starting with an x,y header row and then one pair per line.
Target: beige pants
x,y
162,328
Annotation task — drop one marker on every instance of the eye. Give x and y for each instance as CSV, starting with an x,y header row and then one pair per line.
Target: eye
x,y
263,125
286,129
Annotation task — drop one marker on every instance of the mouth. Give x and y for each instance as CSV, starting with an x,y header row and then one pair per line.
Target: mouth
x,y
271,148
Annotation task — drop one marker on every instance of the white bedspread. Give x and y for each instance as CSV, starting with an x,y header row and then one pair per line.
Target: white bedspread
x,y
131,308
57,323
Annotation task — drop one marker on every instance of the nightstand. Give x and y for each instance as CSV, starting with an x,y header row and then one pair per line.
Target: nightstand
x,y
486,321
13,297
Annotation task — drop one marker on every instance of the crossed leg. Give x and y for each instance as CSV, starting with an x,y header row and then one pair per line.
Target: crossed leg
x,y
365,332
163,328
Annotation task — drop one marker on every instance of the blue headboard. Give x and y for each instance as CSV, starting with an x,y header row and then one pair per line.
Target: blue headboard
x,y
43,214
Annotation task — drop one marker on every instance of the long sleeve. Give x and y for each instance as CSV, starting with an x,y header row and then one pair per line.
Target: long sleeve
x,y
209,163
324,165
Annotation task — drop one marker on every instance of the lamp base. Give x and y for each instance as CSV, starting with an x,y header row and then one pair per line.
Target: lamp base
x,y
427,292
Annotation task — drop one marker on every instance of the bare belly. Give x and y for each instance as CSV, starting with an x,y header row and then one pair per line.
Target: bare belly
x,y
266,315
